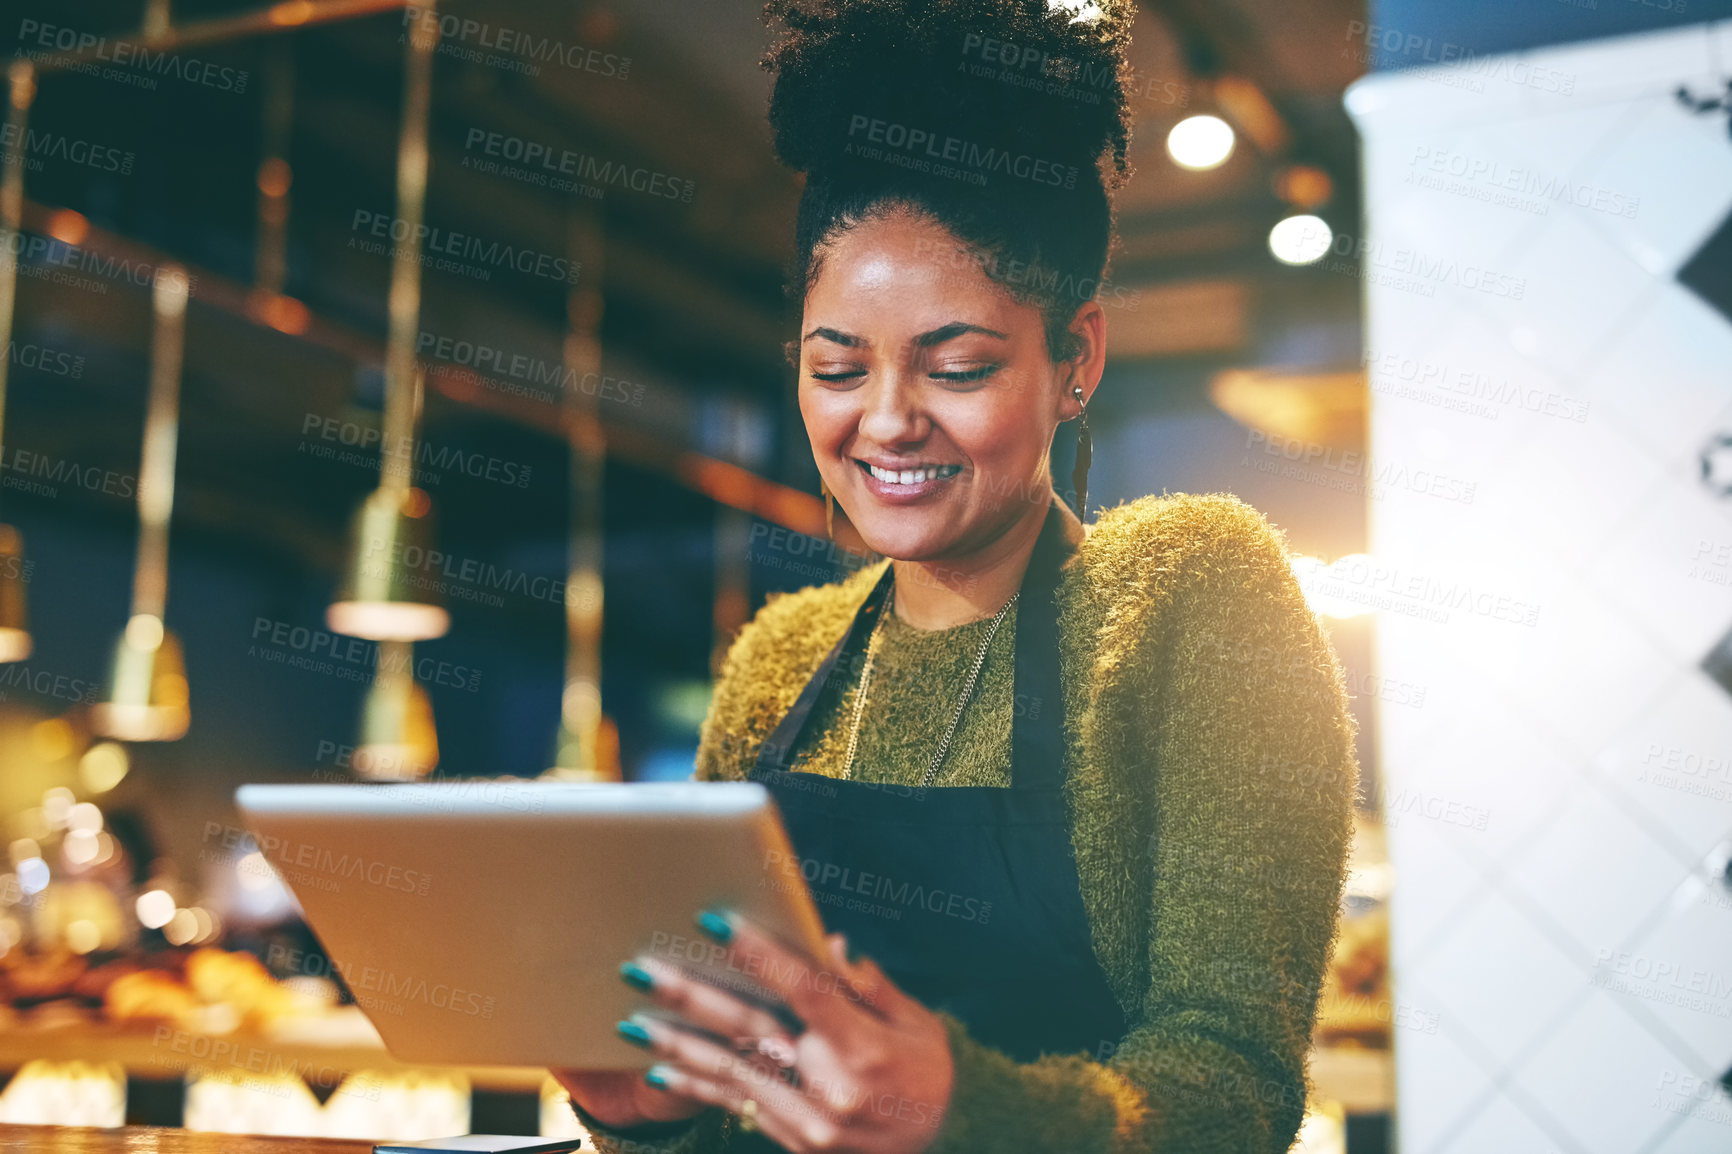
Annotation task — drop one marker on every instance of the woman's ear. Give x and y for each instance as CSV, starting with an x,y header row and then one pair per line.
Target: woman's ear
x,y
1088,329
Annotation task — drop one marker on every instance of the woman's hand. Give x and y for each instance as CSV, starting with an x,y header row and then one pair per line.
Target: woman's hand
x,y
621,1099
870,1072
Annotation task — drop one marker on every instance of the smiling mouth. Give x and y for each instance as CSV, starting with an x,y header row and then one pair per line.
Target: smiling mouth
x,y
915,476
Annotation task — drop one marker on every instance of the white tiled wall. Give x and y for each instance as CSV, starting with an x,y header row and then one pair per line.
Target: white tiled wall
x,y
1561,910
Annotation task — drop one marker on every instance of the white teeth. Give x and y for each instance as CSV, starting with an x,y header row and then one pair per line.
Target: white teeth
x,y
913,476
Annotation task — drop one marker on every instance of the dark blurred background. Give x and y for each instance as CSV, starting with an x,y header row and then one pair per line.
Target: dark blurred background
x,y
1205,327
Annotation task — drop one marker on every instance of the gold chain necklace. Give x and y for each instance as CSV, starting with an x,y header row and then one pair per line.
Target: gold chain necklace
x,y
961,701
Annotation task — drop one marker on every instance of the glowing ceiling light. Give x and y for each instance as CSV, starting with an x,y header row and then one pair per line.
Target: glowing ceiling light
x,y
1200,142
182,928
383,594
83,936
80,847
146,695
57,806
102,766
154,909
1302,239
33,875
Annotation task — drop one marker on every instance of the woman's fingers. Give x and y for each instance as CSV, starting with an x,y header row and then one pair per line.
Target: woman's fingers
x,y
871,1067
864,975
775,1111
699,1002
700,1054
622,1099
813,989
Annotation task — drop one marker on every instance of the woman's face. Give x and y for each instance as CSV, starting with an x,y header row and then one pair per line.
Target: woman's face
x,y
928,391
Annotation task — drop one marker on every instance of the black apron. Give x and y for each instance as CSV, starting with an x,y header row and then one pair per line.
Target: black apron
x,y
967,896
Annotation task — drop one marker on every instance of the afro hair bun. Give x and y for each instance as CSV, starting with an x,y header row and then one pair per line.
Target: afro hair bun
x,y
1043,78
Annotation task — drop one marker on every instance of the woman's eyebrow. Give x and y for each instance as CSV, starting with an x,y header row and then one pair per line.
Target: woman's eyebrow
x,y
954,329
847,340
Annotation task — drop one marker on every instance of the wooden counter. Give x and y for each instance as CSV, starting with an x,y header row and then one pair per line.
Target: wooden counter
x,y
154,1140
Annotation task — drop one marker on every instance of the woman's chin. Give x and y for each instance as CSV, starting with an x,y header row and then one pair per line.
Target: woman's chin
x,y
892,536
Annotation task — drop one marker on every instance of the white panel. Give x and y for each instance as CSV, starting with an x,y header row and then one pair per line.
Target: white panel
x,y
1579,291
1597,873
1575,676
1597,1076
1627,67
1439,882
1703,1122
1665,570
1666,377
1687,981
1677,165
1543,497
1435,1083
1599,752
1501,780
1472,987
1674,762
1502,1128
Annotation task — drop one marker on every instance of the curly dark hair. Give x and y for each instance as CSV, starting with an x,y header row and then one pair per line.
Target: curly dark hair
x,y
1004,120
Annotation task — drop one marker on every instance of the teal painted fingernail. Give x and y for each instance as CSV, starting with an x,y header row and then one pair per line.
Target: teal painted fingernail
x,y
636,975
634,1033
656,1076
716,925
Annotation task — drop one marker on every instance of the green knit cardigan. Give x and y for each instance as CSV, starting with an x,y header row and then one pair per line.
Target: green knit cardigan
x,y
1211,787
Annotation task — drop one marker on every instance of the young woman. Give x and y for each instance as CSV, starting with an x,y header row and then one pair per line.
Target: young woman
x,y
1074,799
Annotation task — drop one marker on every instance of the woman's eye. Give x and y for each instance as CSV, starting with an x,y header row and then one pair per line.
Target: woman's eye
x,y
837,374
964,375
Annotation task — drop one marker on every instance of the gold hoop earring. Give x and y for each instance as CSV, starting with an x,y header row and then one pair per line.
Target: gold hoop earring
x,y
829,509
1079,476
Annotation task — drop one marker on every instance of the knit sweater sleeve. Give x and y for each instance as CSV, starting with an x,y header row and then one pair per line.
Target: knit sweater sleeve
x,y
1223,706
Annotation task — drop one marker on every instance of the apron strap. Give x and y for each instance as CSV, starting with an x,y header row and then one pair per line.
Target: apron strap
x,y
1037,695
1037,701
778,752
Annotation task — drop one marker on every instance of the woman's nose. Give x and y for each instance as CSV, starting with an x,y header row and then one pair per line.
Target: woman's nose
x,y
892,415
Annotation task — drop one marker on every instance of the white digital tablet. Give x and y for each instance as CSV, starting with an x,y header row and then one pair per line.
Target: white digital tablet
x,y
484,923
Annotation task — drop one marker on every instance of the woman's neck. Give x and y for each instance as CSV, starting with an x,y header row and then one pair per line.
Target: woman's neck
x,y
952,591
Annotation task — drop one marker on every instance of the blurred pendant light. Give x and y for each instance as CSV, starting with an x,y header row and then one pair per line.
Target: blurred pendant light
x,y
398,741
156,18
15,643
14,633
1200,142
275,176
1301,239
146,697
586,749
268,304
381,595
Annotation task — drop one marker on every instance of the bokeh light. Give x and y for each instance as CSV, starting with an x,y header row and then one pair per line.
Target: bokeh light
x,y
103,766
1200,142
1301,239
154,908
